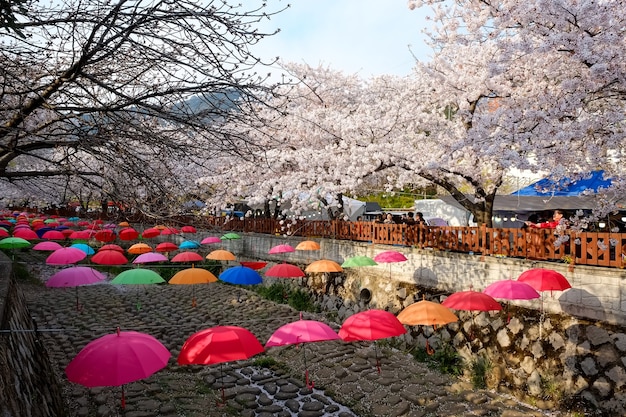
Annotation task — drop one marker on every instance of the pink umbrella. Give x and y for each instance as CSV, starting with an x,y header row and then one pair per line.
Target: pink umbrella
x,y
302,331
390,256
117,359
75,277
149,257
284,248
510,289
65,256
211,239
47,245
25,233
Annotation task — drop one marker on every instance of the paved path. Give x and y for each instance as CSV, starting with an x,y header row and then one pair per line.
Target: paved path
x,y
347,382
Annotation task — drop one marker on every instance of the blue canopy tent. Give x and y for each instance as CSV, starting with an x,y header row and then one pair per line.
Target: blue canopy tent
x,y
565,187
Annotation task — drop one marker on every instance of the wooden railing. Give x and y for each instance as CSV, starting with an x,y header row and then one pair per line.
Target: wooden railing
x,y
582,248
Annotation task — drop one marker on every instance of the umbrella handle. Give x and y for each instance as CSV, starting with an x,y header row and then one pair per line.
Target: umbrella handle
x,y
309,383
123,399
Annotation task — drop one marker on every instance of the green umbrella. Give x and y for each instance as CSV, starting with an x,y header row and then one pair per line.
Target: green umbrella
x,y
138,276
357,261
230,236
14,243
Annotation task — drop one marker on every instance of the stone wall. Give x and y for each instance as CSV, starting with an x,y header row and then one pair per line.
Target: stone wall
x,y
28,385
567,346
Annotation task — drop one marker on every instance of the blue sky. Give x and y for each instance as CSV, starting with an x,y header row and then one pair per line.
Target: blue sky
x,y
368,37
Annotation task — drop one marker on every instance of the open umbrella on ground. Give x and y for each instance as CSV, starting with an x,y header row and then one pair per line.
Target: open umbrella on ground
x,y
192,276
47,246
166,247
390,256
112,246
84,247
26,234
53,235
241,275
128,233
323,265
75,276
371,325
358,261
139,248
542,279
284,270
427,313
510,289
283,248
302,331
308,245
65,256
117,359
471,301
230,236
109,257
188,229
210,240
219,344
137,276
14,243
221,255
189,244
105,235
150,233
150,257
187,256
256,265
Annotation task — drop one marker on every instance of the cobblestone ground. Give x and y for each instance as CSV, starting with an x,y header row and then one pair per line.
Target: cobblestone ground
x,y
346,378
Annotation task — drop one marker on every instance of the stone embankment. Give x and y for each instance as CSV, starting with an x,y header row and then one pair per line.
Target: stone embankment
x,y
345,375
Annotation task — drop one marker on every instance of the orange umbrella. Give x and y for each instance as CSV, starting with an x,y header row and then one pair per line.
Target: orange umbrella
x,y
187,256
139,248
308,245
124,224
427,313
221,255
324,265
191,276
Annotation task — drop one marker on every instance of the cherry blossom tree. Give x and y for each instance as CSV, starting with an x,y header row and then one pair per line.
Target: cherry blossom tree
x,y
127,97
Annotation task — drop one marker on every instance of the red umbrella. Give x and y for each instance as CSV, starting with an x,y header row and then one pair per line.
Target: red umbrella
x,y
25,233
112,246
545,280
117,359
109,257
128,233
4,233
188,229
302,331
152,232
284,270
256,265
187,256
82,234
219,344
371,325
471,301
105,235
65,256
166,247
53,235
170,231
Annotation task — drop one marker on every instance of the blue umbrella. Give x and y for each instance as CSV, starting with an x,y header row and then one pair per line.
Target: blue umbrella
x,y
241,275
189,244
84,247
43,230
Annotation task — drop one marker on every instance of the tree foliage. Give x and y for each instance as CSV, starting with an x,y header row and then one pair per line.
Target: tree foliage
x,y
130,99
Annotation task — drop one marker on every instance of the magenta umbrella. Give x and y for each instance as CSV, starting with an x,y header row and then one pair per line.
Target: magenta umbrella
x,y
47,245
65,256
75,276
510,289
209,240
284,248
302,331
117,359
390,256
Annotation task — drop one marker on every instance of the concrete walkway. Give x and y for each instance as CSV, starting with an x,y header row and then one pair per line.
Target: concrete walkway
x,y
347,381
